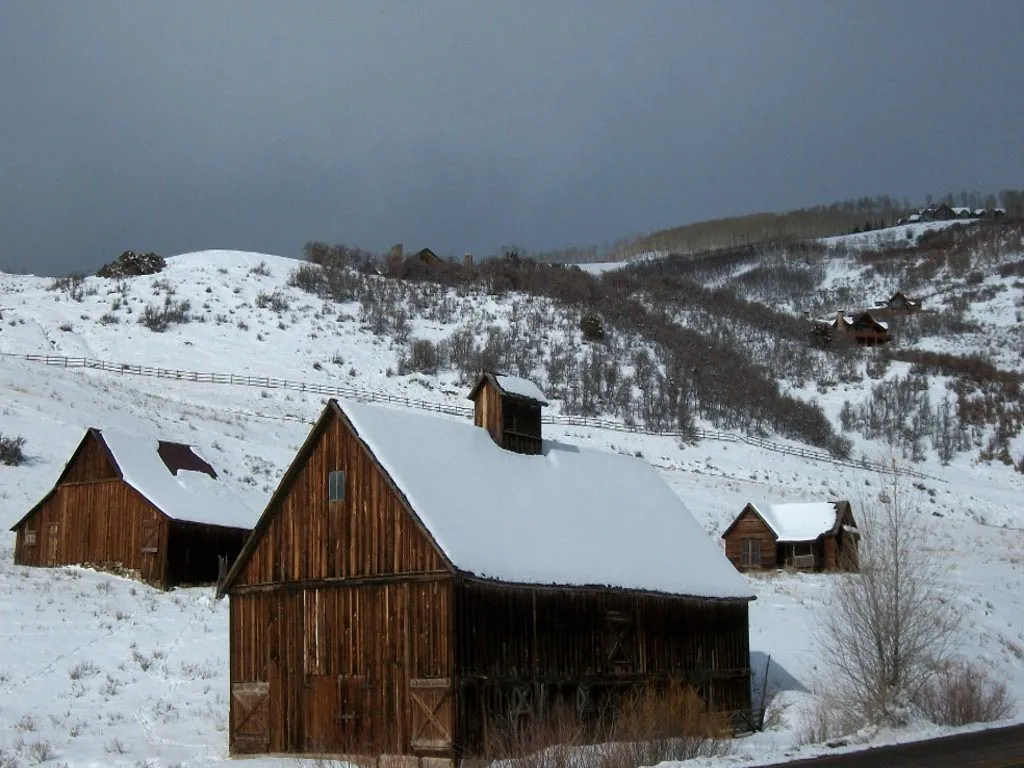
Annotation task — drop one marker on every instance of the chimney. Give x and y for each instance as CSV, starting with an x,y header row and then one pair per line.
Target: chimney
x,y
508,407
467,260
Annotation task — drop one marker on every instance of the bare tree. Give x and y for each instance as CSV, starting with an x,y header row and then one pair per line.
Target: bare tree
x,y
890,628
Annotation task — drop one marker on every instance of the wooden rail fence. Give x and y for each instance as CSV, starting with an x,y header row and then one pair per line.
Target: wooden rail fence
x,y
370,396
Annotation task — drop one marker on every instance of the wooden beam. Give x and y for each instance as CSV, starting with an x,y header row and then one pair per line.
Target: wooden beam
x,y
359,581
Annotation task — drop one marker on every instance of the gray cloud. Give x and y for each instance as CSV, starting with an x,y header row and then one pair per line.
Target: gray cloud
x,y
465,125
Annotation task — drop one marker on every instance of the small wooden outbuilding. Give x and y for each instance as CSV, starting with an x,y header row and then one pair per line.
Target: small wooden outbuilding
x,y
416,582
149,508
814,536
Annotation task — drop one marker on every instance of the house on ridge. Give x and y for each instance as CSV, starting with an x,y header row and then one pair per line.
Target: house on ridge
x,y
861,328
416,580
151,508
899,302
814,536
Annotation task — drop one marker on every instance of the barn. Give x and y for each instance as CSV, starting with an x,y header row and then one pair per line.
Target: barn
x,y
415,581
813,536
150,508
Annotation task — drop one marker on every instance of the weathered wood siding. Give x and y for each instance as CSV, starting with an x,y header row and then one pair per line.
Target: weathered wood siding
x,y
90,462
487,411
359,670
750,526
340,619
106,524
367,534
521,649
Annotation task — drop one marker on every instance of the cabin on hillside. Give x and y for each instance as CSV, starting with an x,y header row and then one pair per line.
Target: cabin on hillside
x,y
416,582
149,508
426,256
419,264
898,302
860,328
815,536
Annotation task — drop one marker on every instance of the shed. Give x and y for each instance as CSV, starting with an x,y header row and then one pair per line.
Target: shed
x,y
813,536
416,581
150,508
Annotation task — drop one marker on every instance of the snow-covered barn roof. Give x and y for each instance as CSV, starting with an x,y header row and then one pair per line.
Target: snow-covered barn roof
x,y
803,521
189,495
514,385
569,516
509,385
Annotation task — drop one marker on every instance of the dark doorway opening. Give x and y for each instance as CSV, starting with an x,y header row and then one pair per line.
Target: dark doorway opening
x,y
194,552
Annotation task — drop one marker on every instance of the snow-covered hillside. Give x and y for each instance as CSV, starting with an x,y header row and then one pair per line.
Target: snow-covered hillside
x,y
98,670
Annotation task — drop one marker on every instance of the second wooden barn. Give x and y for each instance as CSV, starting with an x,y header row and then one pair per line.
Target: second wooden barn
x,y
414,582
811,536
154,509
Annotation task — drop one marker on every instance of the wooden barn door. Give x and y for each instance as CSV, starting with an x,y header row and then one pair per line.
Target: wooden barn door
x,y
53,544
250,718
431,716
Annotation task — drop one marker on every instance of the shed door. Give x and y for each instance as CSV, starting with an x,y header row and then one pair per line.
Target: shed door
x,y
52,543
250,718
431,701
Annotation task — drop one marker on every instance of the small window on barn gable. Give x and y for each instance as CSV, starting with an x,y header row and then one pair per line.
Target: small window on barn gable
x,y
336,486
751,553
30,537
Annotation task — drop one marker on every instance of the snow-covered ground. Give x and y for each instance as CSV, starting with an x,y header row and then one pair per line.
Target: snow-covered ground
x,y
96,670
901,235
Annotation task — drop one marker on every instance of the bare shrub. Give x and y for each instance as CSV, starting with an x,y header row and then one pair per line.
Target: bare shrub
x,y
83,669
158,319
964,693
27,724
645,728
547,742
309,278
888,629
823,723
40,752
142,660
73,285
261,269
652,727
11,452
422,356
116,747
277,302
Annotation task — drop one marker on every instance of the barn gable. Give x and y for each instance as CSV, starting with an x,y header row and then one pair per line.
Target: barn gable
x,y
340,537
90,461
118,504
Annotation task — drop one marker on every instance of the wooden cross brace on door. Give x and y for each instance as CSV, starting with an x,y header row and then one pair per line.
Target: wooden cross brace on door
x,y
431,728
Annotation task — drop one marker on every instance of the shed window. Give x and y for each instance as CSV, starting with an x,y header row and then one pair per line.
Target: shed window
x,y
336,486
751,552
30,537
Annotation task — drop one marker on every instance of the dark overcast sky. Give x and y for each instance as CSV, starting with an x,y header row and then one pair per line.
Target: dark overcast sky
x,y
465,125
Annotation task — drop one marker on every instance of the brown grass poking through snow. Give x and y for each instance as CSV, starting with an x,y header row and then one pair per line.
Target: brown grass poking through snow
x,y
965,693
644,729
